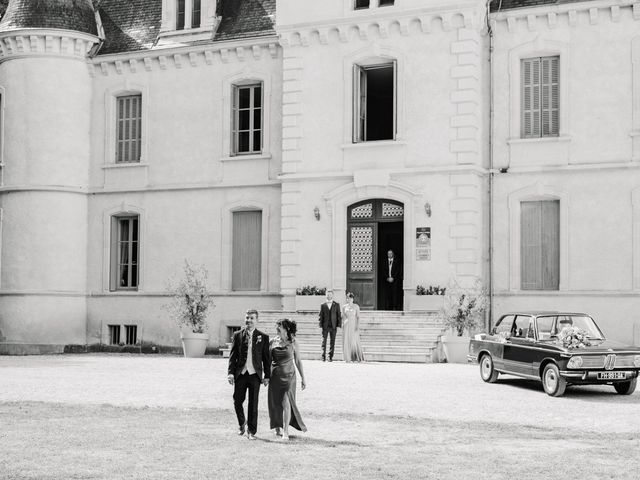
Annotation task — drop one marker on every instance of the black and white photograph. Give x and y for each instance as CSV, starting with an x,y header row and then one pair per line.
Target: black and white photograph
x,y
319,239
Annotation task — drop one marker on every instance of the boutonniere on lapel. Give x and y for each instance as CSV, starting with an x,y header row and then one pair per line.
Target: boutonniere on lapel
x,y
259,339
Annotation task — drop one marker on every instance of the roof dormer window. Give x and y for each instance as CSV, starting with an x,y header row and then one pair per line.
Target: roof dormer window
x,y
188,12
187,21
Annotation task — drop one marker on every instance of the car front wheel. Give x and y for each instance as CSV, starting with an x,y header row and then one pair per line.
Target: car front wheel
x,y
487,371
626,388
553,383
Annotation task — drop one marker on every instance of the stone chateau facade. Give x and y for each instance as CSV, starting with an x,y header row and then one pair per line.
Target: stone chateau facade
x,y
284,143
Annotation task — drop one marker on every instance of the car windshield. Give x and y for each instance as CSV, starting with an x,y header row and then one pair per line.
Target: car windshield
x,y
551,325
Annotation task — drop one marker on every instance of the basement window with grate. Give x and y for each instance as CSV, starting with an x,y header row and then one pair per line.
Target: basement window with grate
x,y
114,334
130,334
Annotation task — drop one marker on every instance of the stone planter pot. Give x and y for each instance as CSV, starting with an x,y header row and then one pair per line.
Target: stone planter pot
x,y
425,302
309,302
455,348
194,344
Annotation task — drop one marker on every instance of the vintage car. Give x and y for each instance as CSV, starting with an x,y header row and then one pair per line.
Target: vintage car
x,y
557,348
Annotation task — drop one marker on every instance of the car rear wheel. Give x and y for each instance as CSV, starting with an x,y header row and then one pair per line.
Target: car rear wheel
x,y
553,383
626,388
487,371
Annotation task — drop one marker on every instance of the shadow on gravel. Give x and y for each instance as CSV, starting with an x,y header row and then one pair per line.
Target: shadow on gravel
x,y
588,393
295,440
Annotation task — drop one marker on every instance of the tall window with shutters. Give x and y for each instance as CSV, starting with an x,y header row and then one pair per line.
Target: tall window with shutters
x,y
125,252
129,129
374,106
247,119
247,250
540,245
540,97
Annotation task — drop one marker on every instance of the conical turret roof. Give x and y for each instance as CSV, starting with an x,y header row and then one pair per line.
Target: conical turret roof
x,y
77,15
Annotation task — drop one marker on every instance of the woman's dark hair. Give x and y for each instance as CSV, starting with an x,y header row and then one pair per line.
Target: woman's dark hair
x,y
289,326
349,295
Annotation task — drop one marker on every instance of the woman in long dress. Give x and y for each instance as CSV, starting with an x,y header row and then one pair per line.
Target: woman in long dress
x,y
351,349
285,357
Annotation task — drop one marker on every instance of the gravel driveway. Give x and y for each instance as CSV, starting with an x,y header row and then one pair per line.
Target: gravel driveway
x,y
435,391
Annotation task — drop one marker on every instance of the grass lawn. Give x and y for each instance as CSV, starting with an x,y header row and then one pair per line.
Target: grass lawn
x,y
64,441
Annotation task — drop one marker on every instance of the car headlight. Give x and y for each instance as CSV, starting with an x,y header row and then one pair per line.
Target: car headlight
x,y
574,362
636,360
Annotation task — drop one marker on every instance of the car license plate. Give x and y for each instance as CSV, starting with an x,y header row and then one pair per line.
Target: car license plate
x,y
612,375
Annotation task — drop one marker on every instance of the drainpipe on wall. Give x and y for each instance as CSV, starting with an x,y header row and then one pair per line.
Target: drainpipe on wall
x,y
490,288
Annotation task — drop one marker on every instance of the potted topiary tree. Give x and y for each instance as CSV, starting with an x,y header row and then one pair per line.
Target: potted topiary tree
x,y
463,311
190,308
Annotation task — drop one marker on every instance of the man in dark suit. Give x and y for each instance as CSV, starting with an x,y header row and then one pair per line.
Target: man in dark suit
x,y
330,320
248,359
392,273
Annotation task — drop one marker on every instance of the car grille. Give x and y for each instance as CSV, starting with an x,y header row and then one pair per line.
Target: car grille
x,y
597,361
593,361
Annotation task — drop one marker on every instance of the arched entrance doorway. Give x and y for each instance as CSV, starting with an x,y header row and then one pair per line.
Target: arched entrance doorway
x,y
374,227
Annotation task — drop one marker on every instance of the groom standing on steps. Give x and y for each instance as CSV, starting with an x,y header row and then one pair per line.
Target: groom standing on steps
x,y
330,320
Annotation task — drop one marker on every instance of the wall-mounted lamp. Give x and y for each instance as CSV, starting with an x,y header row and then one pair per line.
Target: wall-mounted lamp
x,y
316,213
427,209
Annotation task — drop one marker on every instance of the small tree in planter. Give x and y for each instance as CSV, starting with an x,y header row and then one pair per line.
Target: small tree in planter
x,y
190,308
462,312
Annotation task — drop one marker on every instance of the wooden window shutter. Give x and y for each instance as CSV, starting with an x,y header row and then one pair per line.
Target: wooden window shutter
x,y
540,245
530,250
247,251
113,249
550,95
129,128
550,245
540,79
357,104
234,119
395,97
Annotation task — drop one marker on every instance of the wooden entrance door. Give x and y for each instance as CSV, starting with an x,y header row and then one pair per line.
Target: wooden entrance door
x,y
363,226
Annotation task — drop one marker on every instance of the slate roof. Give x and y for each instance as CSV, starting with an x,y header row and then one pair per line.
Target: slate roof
x,y
510,4
129,25
246,18
75,15
133,25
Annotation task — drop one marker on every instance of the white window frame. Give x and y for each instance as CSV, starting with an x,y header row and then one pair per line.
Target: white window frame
x,y
114,254
111,122
368,57
535,193
2,103
123,210
235,121
246,77
538,48
170,16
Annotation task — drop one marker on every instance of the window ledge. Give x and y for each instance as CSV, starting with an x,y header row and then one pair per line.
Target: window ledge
x,y
235,158
633,134
374,144
560,139
125,165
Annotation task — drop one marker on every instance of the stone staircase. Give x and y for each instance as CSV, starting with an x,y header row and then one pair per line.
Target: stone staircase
x,y
385,336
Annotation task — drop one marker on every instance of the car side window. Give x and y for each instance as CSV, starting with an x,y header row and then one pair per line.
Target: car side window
x,y
505,324
521,326
545,325
531,330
